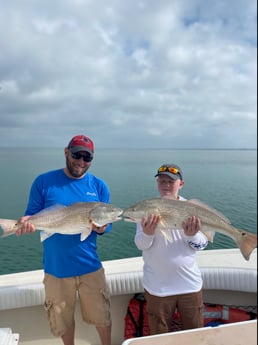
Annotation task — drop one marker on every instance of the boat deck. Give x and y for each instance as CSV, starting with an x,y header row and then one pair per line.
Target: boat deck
x,y
228,279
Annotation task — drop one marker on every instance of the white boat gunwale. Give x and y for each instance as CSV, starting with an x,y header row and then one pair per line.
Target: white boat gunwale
x,y
223,270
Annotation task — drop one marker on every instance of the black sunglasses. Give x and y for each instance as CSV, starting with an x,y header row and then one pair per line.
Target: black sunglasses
x,y
78,155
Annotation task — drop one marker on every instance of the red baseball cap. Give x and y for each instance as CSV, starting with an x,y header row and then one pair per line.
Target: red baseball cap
x,y
81,143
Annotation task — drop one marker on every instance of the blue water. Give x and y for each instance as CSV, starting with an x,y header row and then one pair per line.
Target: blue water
x,y
224,179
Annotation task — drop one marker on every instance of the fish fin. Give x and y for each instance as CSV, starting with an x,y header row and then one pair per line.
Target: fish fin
x,y
163,228
209,234
247,243
44,235
167,235
51,208
163,224
211,209
85,234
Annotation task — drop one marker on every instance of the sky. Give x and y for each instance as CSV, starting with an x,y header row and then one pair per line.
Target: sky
x,y
129,73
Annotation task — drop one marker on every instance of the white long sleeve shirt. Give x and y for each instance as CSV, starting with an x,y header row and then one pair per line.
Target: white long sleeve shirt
x,y
170,268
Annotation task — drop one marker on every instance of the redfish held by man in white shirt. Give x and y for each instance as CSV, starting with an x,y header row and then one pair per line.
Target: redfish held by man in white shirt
x,y
173,212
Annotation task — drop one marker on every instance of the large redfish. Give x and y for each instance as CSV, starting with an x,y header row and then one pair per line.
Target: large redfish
x,y
173,212
67,220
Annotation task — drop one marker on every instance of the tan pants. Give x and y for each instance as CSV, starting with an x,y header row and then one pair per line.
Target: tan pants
x,y
60,300
161,309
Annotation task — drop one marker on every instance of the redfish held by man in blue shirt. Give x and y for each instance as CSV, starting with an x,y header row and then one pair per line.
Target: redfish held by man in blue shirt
x,y
74,219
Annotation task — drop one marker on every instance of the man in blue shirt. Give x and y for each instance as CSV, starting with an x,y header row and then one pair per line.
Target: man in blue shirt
x,y
72,266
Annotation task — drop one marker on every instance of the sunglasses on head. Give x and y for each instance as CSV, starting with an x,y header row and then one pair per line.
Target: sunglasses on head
x,y
78,155
172,170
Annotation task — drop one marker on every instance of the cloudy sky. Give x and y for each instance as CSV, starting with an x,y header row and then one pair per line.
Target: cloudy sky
x,y
129,73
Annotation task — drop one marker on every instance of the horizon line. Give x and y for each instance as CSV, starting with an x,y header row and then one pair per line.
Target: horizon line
x,y
138,148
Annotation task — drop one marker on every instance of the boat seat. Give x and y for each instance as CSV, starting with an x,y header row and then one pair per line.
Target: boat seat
x,y
25,293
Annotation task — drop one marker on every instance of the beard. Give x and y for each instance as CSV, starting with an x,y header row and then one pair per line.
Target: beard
x,y
75,170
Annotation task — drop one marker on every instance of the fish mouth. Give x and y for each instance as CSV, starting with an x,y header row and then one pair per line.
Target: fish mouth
x,y
129,219
107,221
119,215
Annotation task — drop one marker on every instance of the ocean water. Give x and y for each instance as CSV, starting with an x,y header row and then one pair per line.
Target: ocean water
x,y
224,179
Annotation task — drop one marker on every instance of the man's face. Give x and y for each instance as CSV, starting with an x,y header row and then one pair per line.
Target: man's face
x,y
169,187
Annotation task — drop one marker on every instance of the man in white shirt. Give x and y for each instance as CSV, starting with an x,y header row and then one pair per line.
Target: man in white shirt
x,y
171,277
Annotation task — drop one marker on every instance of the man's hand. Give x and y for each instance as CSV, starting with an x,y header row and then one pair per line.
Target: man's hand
x,y
150,224
25,226
99,229
191,226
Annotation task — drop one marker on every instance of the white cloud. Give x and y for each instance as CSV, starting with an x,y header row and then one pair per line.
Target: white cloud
x,y
167,74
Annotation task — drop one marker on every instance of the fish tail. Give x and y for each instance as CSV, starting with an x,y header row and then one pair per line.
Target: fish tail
x,y
7,227
247,243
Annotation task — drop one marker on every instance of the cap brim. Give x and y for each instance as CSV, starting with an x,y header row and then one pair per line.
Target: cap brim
x,y
173,176
76,149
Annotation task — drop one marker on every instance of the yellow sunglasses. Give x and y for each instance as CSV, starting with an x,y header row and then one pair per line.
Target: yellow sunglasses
x,y
173,170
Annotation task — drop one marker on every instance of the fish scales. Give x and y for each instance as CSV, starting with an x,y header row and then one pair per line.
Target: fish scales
x,y
65,218
173,212
184,210
74,219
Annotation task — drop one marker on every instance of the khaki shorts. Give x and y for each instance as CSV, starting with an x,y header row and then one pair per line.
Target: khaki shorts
x,y
161,309
61,295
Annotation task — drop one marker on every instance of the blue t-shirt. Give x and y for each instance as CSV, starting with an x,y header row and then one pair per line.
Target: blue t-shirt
x,y
66,255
